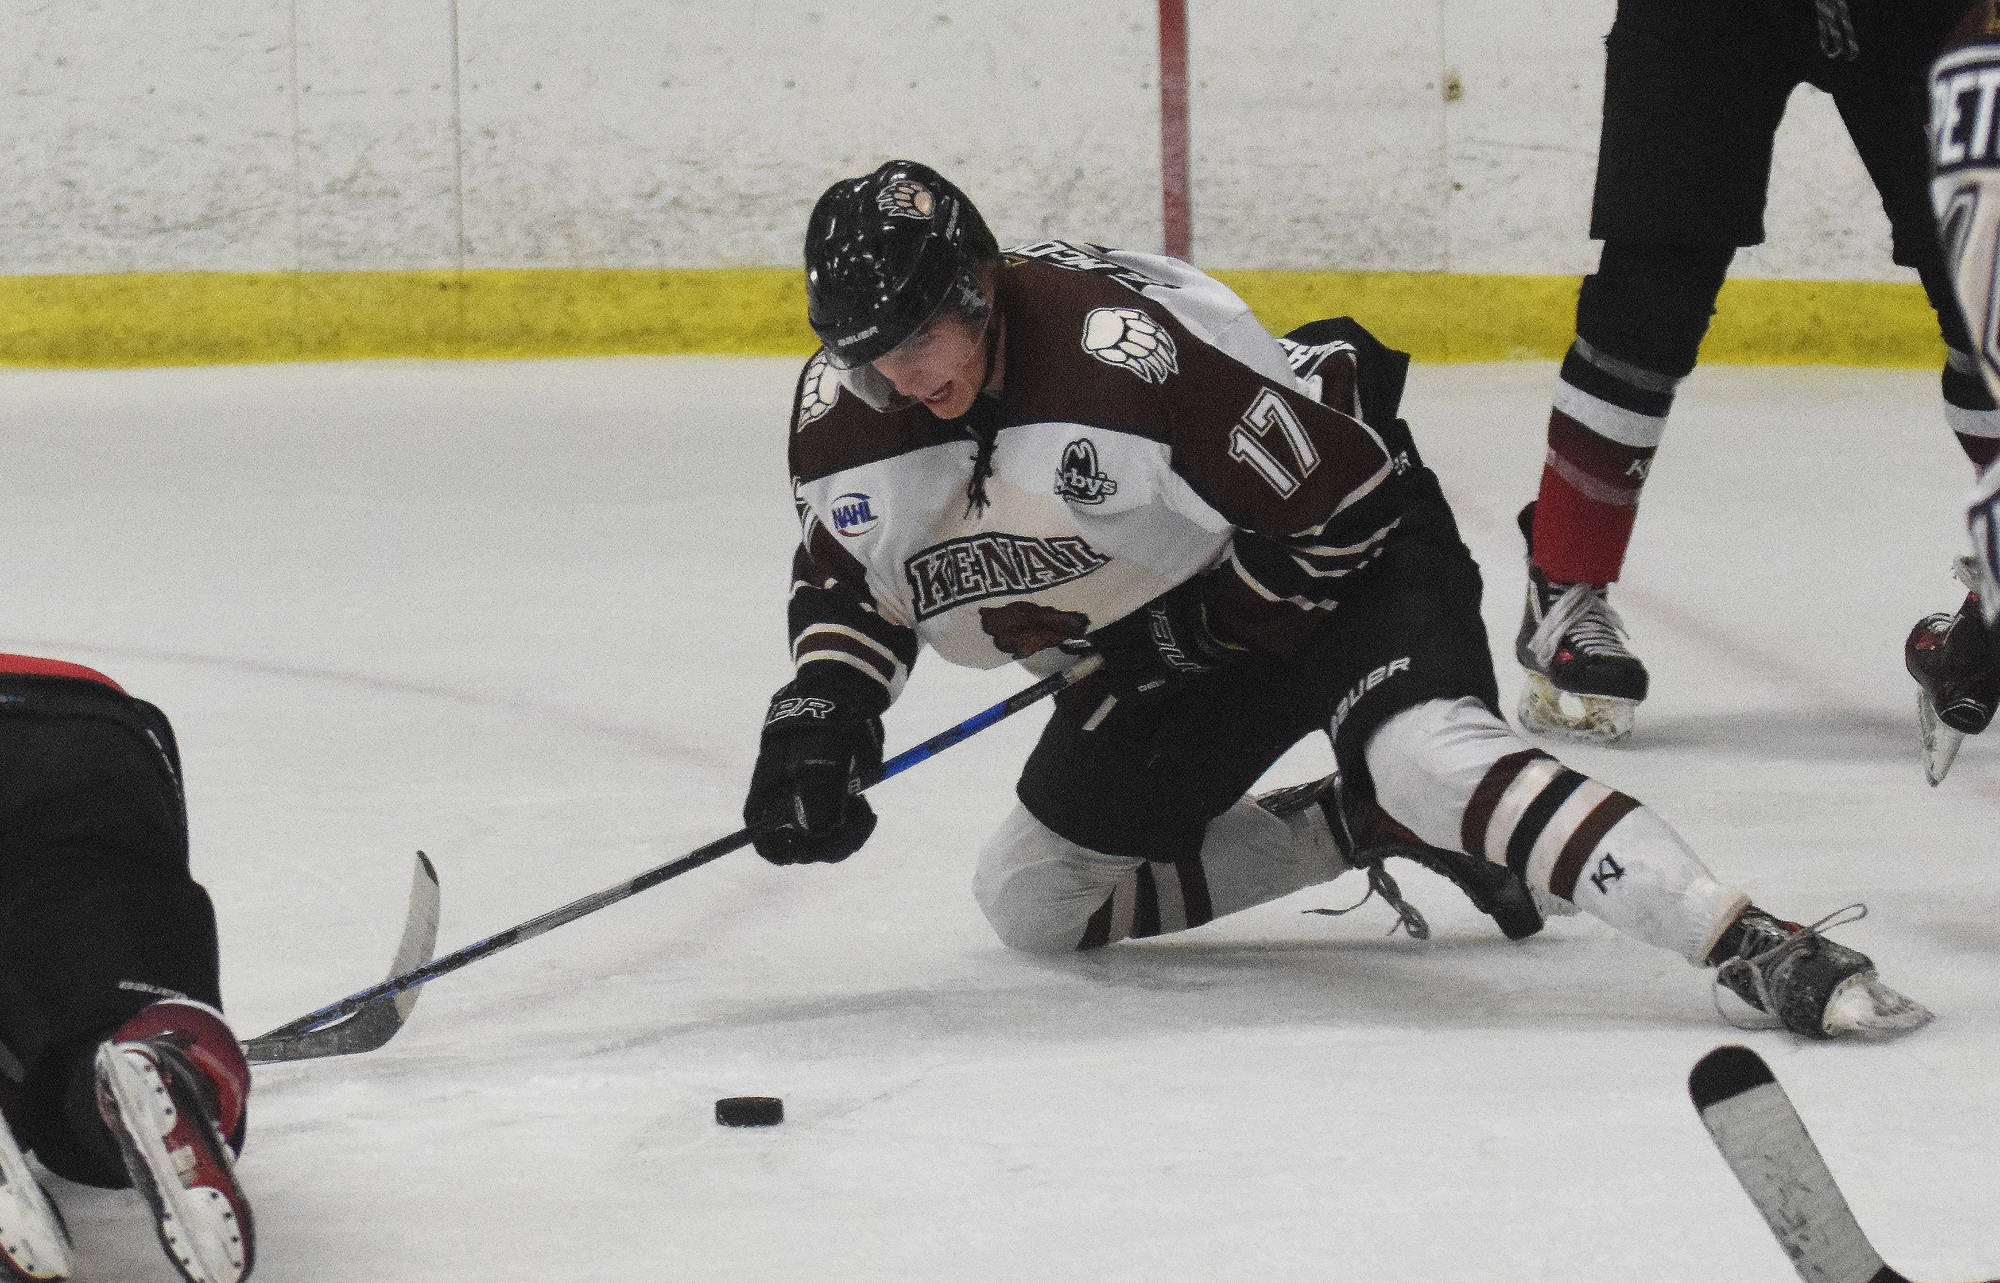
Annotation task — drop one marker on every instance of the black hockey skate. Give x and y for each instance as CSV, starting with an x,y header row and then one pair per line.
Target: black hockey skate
x,y
1366,837
1572,645
158,1109
1807,983
34,1243
1956,662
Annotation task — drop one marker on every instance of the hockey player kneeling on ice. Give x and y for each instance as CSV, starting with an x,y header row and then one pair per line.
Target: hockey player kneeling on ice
x,y
116,1068
1064,449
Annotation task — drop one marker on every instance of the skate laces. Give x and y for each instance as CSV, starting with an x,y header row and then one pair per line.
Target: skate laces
x,y
1327,795
1382,883
1755,966
1583,616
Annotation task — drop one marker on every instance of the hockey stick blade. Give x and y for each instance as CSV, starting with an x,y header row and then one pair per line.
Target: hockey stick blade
x,y
378,1022
1764,1141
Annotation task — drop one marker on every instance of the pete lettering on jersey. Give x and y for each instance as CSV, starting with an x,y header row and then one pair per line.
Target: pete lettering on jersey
x,y
1964,119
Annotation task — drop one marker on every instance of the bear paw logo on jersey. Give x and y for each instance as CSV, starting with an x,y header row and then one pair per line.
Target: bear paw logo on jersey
x,y
1131,340
1022,628
818,390
1078,478
854,515
906,198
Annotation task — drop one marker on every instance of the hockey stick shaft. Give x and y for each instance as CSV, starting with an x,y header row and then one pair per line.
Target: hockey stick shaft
x,y
715,850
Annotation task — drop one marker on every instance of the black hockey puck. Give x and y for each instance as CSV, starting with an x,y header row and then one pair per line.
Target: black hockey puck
x,y
749,1111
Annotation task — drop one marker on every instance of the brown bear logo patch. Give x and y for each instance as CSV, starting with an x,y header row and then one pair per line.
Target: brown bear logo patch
x,y
1023,627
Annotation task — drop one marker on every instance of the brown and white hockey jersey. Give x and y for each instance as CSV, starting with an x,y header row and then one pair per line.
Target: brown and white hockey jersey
x,y
1148,430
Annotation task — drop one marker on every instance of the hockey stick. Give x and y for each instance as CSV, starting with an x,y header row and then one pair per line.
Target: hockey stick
x,y
371,1026
336,1014
1764,1141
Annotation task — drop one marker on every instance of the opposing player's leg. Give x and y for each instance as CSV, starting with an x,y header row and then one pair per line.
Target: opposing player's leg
x,y
1693,93
100,920
1982,519
1640,321
1954,660
171,1084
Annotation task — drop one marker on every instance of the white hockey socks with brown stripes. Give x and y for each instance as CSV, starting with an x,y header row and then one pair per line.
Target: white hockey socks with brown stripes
x,y
1459,777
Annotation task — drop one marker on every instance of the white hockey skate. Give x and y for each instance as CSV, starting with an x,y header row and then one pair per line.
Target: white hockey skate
x,y
153,1101
1583,683
33,1241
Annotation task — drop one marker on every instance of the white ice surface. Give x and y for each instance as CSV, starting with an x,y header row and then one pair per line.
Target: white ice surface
x,y
525,618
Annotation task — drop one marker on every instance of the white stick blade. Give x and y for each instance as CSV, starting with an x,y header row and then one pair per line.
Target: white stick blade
x,y
1762,1138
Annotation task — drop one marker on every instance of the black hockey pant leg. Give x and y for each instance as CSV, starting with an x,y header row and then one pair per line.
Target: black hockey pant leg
x,y
1649,305
99,917
113,940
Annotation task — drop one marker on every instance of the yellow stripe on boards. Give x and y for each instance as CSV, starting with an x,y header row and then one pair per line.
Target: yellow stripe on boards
x,y
201,318
1465,317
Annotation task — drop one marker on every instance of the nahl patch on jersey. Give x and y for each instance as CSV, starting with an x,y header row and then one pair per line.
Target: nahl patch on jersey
x,y
1131,340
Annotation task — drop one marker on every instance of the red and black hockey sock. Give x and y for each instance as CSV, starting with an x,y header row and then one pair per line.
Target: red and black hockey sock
x,y
1640,320
1606,423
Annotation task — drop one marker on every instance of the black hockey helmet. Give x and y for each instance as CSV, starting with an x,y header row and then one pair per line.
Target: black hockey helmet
x,y
885,253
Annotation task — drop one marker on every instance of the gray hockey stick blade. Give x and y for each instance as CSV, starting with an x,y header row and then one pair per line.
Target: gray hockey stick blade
x,y
1762,1138
379,1021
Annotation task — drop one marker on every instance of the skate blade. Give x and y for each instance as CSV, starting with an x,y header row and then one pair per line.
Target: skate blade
x,y
1592,719
1940,741
1864,1007
33,1243
198,1227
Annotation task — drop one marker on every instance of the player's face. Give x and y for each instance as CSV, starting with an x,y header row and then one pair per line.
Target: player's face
x,y
942,367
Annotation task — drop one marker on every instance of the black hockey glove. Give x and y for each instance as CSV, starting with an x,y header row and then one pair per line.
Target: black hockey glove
x,y
821,735
1163,642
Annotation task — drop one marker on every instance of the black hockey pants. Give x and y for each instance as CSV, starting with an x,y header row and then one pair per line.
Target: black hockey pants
x,y
99,915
